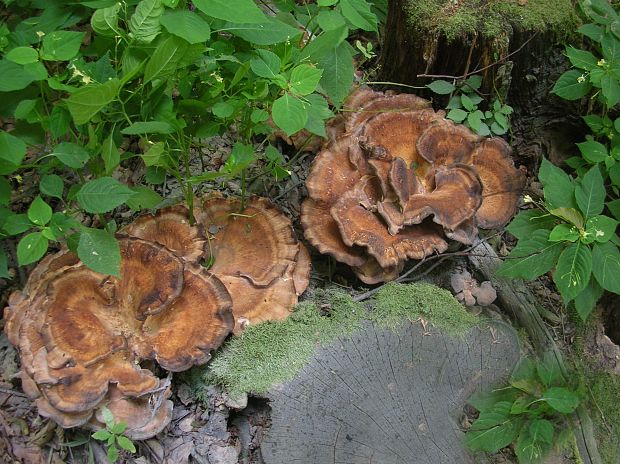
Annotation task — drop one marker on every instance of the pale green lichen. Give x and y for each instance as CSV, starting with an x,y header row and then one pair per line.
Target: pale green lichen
x,y
460,18
274,352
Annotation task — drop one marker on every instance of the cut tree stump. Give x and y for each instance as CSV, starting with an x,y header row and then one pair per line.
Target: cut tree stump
x,y
387,396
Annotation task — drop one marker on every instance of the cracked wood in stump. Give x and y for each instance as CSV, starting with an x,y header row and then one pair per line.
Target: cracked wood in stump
x,y
387,396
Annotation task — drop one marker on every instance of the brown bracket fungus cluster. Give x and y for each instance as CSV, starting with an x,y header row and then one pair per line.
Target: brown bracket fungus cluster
x,y
398,180
82,336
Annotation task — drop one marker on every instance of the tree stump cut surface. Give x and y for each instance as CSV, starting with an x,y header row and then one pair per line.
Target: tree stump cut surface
x,y
387,397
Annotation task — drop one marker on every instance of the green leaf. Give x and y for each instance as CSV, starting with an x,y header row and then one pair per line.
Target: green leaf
x,y
569,88
304,79
5,191
329,20
61,45
144,23
240,158
165,58
103,195
39,212
4,265
485,401
590,193
266,65
601,228
359,14
534,441
101,435
524,377
144,198
62,224
573,270
71,155
337,65
614,174
113,453
270,31
148,127
289,114
592,151
87,101
223,109
153,156
527,222
475,120
318,112
110,154
571,215
592,31
564,232
457,115
236,11
586,300
605,266
12,152
118,428
23,55
531,257
104,21
611,89
99,250
614,207
581,59
17,77
24,109
16,224
548,370
59,121
31,248
441,87
108,417
558,187
493,430
126,444
186,24
467,103
561,399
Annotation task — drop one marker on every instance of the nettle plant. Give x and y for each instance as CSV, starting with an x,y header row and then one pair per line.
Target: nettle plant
x,y
464,106
89,88
532,412
568,233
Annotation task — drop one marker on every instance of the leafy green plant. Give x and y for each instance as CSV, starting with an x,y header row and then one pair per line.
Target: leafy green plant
x,y
113,436
569,233
464,106
532,412
92,88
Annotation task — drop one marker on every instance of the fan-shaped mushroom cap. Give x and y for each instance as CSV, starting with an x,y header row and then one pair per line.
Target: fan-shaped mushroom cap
x,y
64,419
502,184
301,273
257,242
322,231
359,226
445,143
196,323
371,273
170,227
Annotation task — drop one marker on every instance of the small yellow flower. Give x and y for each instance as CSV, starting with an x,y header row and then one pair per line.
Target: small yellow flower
x,y
40,34
581,79
601,62
86,79
528,199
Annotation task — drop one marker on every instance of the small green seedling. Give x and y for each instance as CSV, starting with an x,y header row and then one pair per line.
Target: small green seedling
x,y
113,436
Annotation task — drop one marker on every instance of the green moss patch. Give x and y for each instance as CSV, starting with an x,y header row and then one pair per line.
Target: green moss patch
x,y
274,352
491,18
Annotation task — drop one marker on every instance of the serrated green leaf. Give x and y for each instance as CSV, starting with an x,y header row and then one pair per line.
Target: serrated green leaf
x,y
558,186
493,430
592,31
110,154
148,127
358,12
266,65
527,222
59,121
531,257
592,151
101,435
441,87
113,453
104,21
186,24
236,11
586,300
240,158
485,401
337,65
16,224
153,156
99,250
457,115
39,212
524,377
601,228
16,76
87,101
270,31
611,89
165,59
289,113
71,154
467,103
144,198
573,270
581,59
330,19
304,79
144,24
103,195
590,193
118,428
22,55
534,441
570,86
561,399
548,370
126,444
61,45
605,266
223,109
31,248
570,215
318,111
564,232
